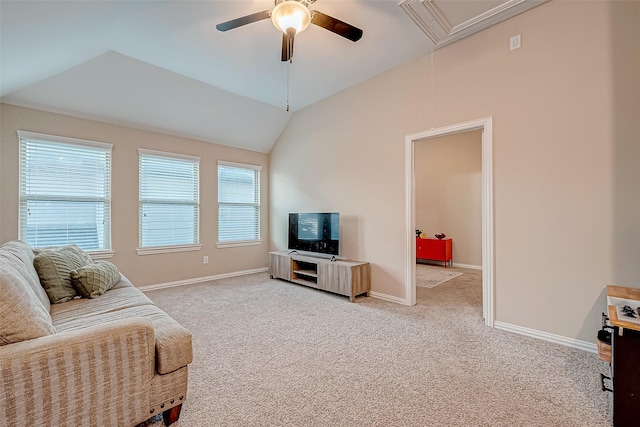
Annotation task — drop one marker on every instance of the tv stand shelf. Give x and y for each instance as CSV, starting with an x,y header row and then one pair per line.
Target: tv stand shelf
x,y
348,278
308,273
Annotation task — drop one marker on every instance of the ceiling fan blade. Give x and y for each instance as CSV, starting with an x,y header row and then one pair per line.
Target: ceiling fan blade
x,y
239,22
337,26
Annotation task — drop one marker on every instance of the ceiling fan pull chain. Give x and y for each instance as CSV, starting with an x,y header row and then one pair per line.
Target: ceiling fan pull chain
x,y
288,66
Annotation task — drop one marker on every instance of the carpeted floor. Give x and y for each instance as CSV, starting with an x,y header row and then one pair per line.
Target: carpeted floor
x,y
271,353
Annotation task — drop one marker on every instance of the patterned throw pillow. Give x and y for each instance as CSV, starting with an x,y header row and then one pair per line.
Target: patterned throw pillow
x,y
95,279
54,269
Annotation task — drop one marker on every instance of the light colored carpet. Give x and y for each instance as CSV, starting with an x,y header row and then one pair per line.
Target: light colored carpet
x,y
429,276
272,353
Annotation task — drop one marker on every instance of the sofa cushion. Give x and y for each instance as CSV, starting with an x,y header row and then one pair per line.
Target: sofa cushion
x,y
20,256
173,342
95,279
22,314
123,295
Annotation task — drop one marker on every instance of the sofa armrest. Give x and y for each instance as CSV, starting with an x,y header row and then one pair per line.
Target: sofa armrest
x,y
100,375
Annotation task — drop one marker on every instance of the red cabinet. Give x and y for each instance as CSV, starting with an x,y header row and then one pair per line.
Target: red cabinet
x,y
434,249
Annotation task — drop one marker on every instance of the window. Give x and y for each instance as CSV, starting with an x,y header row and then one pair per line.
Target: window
x,y
65,192
238,204
169,201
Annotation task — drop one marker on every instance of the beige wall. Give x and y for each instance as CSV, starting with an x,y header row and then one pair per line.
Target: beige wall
x,y
558,189
146,269
625,52
448,188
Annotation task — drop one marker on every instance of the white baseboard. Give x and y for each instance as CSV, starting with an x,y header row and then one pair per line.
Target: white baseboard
x,y
386,297
455,264
557,339
469,266
200,279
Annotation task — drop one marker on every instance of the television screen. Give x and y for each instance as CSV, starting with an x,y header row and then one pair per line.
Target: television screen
x,y
315,232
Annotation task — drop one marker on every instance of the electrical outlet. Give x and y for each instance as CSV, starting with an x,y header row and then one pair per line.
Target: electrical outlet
x,y
205,260
514,42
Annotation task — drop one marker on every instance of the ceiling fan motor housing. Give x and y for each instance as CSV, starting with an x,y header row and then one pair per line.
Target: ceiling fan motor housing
x,y
291,14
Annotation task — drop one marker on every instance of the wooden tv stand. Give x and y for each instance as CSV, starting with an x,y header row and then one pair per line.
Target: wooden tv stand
x,y
625,345
348,278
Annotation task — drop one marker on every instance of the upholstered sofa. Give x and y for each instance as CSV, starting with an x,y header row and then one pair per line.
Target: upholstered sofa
x,y
111,358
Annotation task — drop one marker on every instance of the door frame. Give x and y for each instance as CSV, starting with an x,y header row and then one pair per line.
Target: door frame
x,y
486,126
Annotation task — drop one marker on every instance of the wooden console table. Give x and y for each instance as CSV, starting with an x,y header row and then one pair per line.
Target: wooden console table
x,y
349,278
625,350
435,249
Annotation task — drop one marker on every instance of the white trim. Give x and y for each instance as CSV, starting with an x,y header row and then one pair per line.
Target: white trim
x,y
168,249
410,212
62,139
469,266
239,165
386,297
488,262
200,279
238,243
434,23
101,254
156,153
486,125
557,339
455,264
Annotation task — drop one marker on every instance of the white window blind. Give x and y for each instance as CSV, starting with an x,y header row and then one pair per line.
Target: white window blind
x,y
238,202
169,199
65,192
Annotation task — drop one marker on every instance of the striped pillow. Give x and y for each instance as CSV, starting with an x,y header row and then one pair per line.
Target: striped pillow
x,y
54,269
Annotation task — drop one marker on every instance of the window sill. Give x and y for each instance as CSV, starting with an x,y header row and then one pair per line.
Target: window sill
x,y
238,244
168,249
101,254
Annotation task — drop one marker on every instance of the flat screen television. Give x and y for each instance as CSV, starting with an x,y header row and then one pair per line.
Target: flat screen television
x,y
315,232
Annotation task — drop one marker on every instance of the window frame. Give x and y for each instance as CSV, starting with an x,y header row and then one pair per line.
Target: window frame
x,y
23,138
258,197
184,247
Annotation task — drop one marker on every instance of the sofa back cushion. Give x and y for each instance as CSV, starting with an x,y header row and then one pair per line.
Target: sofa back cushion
x,y
21,256
23,315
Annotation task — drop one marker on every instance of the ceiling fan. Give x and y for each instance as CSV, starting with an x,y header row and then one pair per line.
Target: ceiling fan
x,y
293,17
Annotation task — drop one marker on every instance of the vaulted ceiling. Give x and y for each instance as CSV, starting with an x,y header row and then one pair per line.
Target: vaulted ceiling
x,y
163,66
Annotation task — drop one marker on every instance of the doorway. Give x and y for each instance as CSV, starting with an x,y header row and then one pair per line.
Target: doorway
x,y
485,126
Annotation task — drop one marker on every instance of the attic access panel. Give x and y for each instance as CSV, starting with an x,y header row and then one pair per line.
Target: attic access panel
x,y
447,21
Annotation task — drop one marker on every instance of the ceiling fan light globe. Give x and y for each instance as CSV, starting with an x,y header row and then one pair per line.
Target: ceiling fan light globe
x,y
291,14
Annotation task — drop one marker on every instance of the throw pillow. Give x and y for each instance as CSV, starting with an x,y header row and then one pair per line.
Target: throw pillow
x,y
54,269
54,265
95,279
79,255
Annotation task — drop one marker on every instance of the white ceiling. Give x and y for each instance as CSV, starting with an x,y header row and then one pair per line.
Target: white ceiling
x,y
162,65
